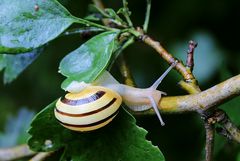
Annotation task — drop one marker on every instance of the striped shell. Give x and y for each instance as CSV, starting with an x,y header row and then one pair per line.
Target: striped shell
x,y
88,110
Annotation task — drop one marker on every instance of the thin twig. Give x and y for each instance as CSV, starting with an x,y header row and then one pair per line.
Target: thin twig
x,y
90,23
228,126
209,146
190,54
147,16
187,75
126,13
15,153
124,69
233,130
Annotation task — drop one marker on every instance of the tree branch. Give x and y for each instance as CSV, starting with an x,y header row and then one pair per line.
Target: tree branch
x,y
232,130
15,153
202,101
41,156
210,130
124,69
187,75
229,130
185,72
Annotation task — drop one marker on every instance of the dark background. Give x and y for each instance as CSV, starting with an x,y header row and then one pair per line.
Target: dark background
x,y
214,24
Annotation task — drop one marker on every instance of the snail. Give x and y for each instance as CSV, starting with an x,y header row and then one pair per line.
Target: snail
x,y
89,107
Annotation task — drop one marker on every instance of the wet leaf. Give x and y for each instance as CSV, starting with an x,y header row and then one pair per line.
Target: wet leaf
x,y
89,60
28,24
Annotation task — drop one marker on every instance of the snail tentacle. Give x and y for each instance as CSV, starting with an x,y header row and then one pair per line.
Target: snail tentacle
x,y
159,80
155,107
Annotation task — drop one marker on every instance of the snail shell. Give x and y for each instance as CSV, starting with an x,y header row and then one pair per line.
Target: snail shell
x,y
89,109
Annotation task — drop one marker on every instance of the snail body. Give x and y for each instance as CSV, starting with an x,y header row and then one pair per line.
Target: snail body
x,y
89,107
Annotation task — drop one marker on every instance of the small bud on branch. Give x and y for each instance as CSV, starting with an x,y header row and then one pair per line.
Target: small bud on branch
x,y
190,54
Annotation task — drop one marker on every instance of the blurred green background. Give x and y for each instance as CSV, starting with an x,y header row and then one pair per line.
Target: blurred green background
x,y
213,24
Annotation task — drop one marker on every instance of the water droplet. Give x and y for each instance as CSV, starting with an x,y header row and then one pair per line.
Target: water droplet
x,y
48,144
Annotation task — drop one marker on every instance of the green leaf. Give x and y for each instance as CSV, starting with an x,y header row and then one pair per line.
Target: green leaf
x,y
89,60
122,139
15,129
28,24
15,64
